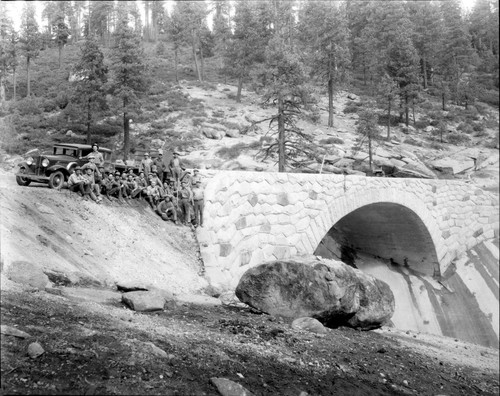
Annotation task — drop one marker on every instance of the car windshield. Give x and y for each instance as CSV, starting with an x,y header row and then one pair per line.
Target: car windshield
x,y
65,151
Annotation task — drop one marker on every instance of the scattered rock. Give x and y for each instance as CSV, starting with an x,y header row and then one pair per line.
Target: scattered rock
x,y
129,286
12,331
213,134
141,350
54,291
35,350
309,324
352,96
89,294
452,166
328,290
156,351
213,291
44,209
29,274
232,133
197,299
229,298
229,388
144,300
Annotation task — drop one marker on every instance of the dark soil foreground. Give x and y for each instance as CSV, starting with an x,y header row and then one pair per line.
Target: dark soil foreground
x,y
103,348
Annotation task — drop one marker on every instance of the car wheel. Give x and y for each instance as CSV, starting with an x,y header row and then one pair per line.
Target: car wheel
x,y
56,180
22,181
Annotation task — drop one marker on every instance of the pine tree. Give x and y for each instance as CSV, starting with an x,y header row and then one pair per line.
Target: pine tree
x,y
91,77
192,20
402,65
388,91
6,55
286,86
128,75
222,34
61,32
102,14
30,39
456,55
75,19
368,129
427,33
325,36
175,34
247,44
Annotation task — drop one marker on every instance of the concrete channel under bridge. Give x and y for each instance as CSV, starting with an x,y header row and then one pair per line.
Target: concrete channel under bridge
x,y
434,241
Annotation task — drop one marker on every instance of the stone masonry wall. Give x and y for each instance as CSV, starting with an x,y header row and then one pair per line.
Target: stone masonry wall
x,y
253,217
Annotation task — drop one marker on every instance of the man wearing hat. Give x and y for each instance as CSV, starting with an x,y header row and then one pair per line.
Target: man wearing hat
x,y
186,200
95,171
175,167
199,203
112,187
186,177
196,177
167,210
76,181
141,183
159,165
89,185
99,159
145,165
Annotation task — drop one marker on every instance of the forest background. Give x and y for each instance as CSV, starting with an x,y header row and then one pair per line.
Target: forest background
x,y
95,67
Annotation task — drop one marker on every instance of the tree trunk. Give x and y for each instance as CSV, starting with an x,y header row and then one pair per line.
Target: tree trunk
x,y
89,118
370,156
281,135
193,43
126,131
443,101
425,70
389,121
60,55
413,110
147,35
401,110
14,83
330,102
202,64
2,90
28,76
240,86
176,60
364,74
407,111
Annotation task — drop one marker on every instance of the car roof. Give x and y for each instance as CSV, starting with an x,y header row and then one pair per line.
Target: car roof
x,y
80,146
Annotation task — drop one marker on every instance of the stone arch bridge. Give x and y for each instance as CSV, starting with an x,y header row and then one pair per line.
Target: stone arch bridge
x,y
252,217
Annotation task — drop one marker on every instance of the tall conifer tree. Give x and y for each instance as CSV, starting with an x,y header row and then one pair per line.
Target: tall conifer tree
x,y
128,75
30,39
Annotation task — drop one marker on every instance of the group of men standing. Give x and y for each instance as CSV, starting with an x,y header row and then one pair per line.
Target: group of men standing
x,y
172,192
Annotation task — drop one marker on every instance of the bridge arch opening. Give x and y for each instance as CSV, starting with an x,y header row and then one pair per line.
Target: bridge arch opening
x,y
387,230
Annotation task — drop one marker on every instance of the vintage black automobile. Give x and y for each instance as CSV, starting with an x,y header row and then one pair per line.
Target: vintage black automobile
x,y
55,167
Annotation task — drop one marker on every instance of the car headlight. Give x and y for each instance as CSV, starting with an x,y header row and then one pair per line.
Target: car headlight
x,y
29,161
45,162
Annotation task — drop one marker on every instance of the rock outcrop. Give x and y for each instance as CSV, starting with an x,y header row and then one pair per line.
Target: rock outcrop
x,y
28,274
328,290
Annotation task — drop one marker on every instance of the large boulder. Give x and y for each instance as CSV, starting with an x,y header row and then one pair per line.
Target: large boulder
x,y
28,274
330,291
144,301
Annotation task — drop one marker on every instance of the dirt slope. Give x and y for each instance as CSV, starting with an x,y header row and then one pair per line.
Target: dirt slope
x,y
91,243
